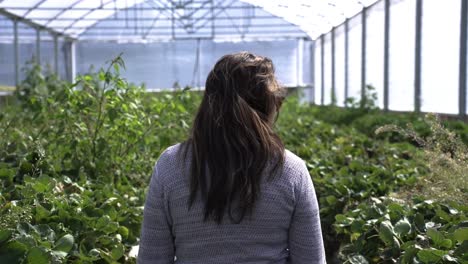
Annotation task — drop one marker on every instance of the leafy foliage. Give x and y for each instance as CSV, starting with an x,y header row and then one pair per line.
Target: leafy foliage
x,y
75,159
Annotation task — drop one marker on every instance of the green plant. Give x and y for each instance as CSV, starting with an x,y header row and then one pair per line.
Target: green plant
x,y
446,156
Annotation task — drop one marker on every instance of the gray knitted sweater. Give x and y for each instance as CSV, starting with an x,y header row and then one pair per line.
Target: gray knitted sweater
x,y
284,226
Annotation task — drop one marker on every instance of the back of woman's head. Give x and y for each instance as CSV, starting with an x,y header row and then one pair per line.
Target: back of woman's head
x,y
232,139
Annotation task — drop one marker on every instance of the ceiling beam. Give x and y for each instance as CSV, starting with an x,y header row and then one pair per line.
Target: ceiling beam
x,y
33,24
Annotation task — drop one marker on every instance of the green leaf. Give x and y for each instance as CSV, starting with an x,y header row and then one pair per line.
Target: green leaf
x,y
103,222
358,259
386,232
462,249
409,254
446,244
430,255
402,227
37,256
461,234
117,251
12,252
64,244
5,235
436,236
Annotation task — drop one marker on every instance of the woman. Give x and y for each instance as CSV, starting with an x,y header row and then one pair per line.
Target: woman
x,y
231,193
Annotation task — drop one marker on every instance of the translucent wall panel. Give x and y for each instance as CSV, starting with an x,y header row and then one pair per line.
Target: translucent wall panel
x,y
307,63
157,65
401,55
318,71
375,49
283,54
440,52
27,47
354,66
63,58
340,65
327,69
47,51
160,65
7,70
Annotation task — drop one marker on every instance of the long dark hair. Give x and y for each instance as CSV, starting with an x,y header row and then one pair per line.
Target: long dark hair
x,y
232,140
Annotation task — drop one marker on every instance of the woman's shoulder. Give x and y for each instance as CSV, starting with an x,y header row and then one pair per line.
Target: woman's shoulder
x,y
171,154
293,161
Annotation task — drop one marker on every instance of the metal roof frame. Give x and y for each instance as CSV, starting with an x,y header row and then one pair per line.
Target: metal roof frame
x,y
80,19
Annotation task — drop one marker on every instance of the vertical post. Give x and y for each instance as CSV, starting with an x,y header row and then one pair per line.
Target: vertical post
x,y
198,63
333,65
212,20
56,67
463,60
16,52
38,45
173,20
322,66
299,66
312,91
72,61
363,54
417,61
386,54
346,70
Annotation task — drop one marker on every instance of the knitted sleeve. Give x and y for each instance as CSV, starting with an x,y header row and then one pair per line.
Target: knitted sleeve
x,y
305,235
156,242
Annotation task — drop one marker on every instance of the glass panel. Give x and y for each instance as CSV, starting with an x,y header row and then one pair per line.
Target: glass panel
x,y
284,61
375,49
27,47
47,51
73,14
307,63
16,3
340,65
7,69
355,58
327,70
440,52
58,3
318,72
401,55
38,14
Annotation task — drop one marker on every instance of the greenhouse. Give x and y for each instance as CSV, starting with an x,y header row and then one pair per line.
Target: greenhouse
x,y
94,92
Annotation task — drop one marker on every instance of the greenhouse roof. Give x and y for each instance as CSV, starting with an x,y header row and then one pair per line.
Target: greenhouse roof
x,y
133,20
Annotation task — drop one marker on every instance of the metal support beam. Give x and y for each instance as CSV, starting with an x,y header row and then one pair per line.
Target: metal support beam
x,y
72,61
333,67
363,54
173,21
463,60
322,66
311,98
199,63
30,23
38,46
299,64
417,61
346,70
56,67
386,55
16,52
213,28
